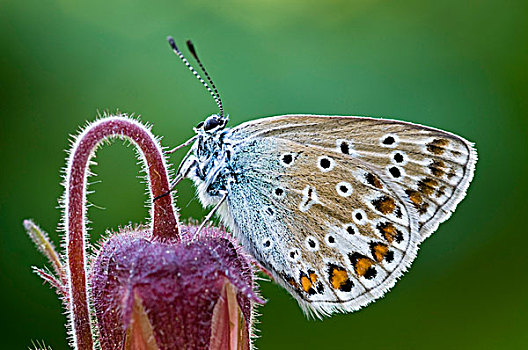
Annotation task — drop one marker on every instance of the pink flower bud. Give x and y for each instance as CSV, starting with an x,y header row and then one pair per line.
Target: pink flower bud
x,y
161,286
193,294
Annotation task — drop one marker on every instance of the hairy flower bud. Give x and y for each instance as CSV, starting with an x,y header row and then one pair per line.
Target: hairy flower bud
x,y
161,286
141,287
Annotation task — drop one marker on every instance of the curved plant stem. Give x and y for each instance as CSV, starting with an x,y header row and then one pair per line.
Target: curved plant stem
x,y
163,217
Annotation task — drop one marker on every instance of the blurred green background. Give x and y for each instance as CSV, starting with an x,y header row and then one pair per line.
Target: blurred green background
x,y
459,66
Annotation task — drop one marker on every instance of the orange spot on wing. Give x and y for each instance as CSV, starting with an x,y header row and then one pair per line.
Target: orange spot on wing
x,y
292,282
374,181
437,168
437,146
427,186
415,197
306,283
389,231
313,277
380,251
338,278
385,205
362,265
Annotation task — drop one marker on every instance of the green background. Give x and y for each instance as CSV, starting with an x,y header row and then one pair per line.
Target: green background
x,y
459,66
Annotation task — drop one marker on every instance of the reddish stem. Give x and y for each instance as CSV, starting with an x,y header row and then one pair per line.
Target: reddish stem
x,y
164,220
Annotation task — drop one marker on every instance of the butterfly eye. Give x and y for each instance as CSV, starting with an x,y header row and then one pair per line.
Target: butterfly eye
x,y
212,122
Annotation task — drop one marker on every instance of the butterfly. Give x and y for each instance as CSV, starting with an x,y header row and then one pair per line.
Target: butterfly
x,y
334,207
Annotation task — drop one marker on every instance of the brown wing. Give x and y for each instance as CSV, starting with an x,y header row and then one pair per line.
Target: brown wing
x,y
335,207
432,167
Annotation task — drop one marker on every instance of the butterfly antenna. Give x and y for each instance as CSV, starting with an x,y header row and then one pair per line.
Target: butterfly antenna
x,y
191,68
191,48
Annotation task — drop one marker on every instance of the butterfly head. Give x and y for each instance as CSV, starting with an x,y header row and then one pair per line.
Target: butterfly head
x,y
211,125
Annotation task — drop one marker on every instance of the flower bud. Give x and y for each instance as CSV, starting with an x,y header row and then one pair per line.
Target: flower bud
x,y
160,286
193,294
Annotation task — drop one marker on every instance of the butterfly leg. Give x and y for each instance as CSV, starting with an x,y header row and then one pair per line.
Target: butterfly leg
x,y
210,214
186,143
188,163
173,185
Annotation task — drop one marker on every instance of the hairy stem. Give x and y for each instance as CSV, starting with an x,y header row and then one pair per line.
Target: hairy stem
x,y
164,221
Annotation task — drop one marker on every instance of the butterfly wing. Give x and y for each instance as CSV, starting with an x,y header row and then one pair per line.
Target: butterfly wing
x,y
317,201
433,167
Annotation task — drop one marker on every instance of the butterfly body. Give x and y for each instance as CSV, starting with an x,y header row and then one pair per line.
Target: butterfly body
x,y
334,207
